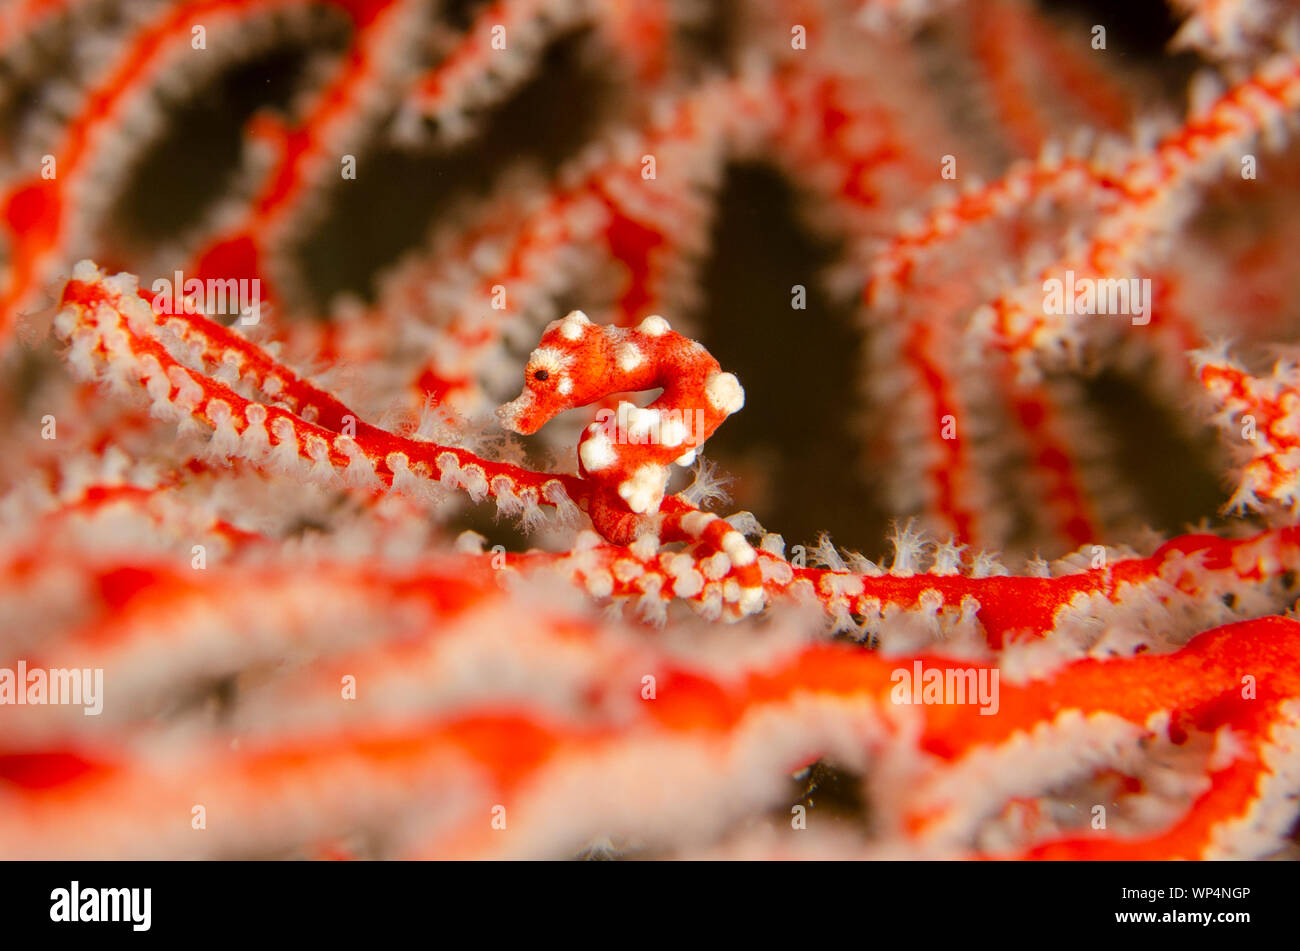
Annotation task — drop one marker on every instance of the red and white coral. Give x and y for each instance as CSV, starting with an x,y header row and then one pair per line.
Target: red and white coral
x,y
262,558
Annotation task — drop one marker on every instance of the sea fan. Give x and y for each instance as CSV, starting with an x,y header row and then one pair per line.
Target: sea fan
x,y
276,582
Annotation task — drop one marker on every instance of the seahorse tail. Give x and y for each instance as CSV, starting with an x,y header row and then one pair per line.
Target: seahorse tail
x,y
744,587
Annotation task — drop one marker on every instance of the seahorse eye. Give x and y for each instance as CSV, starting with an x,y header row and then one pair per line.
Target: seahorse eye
x,y
540,375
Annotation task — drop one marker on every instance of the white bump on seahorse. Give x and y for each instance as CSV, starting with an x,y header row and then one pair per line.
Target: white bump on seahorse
x,y
643,491
695,523
672,431
654,326
597,452
641,425
737,549
549,359
573,325
630,357
725,393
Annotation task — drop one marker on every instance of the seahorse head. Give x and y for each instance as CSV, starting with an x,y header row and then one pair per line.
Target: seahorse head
x,y
569,368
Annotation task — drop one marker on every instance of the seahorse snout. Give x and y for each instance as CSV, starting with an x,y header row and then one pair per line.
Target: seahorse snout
x,y
516,416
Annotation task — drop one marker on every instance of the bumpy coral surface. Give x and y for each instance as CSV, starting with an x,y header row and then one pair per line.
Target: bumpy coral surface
x,y
282,282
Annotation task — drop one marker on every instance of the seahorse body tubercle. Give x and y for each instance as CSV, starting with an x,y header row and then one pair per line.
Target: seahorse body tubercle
x,y
626,453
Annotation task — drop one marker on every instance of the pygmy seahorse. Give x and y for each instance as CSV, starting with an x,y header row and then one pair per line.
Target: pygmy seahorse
x,y
626,453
